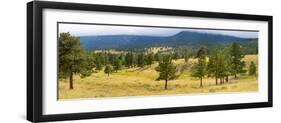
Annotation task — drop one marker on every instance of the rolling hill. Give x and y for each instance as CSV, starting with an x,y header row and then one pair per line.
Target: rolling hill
x,y
184,38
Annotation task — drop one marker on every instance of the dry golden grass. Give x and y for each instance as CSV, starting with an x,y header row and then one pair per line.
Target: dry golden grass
x,y
141,82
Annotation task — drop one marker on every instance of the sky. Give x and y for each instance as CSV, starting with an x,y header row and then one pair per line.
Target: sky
x,y
98,30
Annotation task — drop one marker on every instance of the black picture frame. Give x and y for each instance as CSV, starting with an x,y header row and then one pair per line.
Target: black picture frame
x,y
35,69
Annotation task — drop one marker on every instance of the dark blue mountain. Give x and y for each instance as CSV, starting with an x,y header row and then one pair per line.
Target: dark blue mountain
x,y
118,41
184,38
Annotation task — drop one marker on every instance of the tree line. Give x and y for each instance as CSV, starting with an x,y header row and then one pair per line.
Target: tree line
x,y
221,63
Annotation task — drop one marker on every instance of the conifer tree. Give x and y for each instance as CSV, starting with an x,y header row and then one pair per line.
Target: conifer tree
x,y
73,59
213,66
252,69
199,69
117,64
141,61
186,55
149,59
237,55
167,70
108,69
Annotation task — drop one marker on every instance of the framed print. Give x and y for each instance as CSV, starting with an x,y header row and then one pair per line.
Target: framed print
x,y
89,61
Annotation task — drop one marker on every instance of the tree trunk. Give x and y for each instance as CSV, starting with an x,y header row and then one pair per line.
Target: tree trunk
x,y
226,79
201,84
166,84
235,76
108,74
71,81
216,80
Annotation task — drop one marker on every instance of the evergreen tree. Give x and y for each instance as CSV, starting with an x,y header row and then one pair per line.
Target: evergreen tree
x,y
73,59
219,65
108,69
141,61
134,59
252,69
167,70
103,58
122,58
222,68
117,64
226,63
199,69
129,60
176,54
98,63
237,64
158,56
88,63
149,59
213,66
186,55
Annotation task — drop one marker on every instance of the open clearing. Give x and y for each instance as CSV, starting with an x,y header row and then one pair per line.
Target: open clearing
x,y
141,82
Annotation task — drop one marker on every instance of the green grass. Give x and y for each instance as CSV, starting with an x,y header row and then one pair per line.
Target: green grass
x,y
141,82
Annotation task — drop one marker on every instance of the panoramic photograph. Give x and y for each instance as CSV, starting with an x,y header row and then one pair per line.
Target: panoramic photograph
x,y
106,61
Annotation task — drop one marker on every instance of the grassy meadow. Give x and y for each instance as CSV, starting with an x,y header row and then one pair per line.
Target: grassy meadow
x,y
139,81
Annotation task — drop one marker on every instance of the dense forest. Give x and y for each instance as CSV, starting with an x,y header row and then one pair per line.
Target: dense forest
x,y
191,40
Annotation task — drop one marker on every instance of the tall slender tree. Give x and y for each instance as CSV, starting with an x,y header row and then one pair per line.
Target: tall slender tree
x,y
213,66
186,55
199,69
129,59
227,63
149,59
141,61
98,63
117,65
237,55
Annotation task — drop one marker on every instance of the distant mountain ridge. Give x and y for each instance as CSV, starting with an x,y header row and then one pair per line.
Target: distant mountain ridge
x,y
188,38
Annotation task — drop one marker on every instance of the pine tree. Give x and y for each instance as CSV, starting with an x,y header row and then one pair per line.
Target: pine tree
x,y
129,59
73,59
122,59
158,56
186,55
149,59
199,69
221,69
219,65
252,69
134,59
117,65
98,63
237,64
227,63
167,70
176,54
213,66
140,59
108,69
87,64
